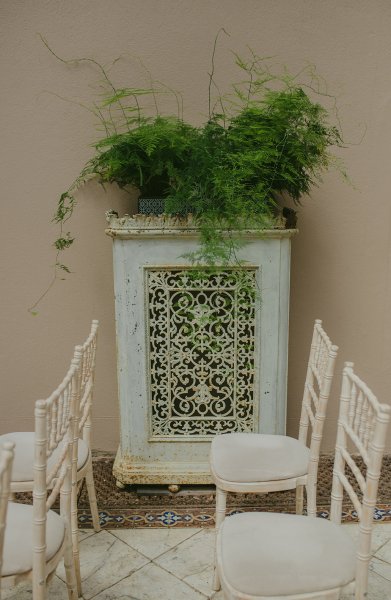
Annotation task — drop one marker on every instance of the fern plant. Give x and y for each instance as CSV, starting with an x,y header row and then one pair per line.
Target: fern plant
x,y
150,157
242,164
265,139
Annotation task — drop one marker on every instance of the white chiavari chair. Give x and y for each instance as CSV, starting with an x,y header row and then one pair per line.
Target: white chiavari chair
x,y
22,473
36,537
261,463
265,556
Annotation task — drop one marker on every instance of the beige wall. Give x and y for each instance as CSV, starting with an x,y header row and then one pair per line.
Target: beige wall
x,y
340,260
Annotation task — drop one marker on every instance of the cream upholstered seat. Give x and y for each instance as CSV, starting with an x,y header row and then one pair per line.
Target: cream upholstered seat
x,y
18,541
265,556
36,537
22,468
246,458
260,463
313,554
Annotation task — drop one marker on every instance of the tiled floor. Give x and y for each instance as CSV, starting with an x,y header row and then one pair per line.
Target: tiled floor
x,y
172,564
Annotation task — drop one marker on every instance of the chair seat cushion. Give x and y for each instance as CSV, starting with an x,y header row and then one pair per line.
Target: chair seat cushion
x,y
269,554
18,539
257,457
22,468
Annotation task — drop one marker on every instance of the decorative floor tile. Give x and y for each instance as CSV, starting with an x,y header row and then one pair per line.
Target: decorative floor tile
x,y
150,583
128,509
192,561
129,518
154,542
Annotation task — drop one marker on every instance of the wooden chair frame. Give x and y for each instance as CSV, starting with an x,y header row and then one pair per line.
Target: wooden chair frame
x,y
320,371
55,427
362,425
85,354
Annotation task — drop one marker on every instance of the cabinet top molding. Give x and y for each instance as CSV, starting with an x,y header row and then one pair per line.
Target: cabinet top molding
x,y
136,226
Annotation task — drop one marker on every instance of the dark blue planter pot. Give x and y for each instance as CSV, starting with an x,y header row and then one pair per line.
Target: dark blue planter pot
x,y
156,206
151,206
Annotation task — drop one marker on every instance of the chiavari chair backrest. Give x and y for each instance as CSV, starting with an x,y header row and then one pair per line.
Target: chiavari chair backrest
x,y
317,387
361,438
55,420
88,351
55,433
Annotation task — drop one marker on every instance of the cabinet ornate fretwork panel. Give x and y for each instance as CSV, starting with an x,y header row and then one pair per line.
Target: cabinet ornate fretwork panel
x,y
199,352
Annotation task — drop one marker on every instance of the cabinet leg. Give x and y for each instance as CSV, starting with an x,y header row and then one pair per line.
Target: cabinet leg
x,y
174,488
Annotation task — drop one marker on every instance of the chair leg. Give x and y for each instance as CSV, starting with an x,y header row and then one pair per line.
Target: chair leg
x,y
311,498
39,587
299,499
75,539
361,587
221,503
92,496
70,571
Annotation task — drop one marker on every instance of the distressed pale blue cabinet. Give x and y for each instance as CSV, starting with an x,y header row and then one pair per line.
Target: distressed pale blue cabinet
x,y
199,353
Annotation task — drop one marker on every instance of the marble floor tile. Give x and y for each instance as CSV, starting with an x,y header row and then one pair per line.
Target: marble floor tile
x,y
56,589
150,583
104,560
384,552
381,533
381,568
154,542
378,588
192,561
85,533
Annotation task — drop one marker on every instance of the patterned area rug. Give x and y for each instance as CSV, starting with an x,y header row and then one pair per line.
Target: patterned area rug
x,y
194,507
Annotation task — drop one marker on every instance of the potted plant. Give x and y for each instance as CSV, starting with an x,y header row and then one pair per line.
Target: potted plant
x,y
150,156
264,141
